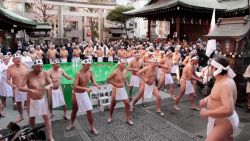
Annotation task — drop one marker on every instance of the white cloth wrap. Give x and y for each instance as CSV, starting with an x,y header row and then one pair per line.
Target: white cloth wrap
x,y
5,89
57,98
110,59
134,81
20,96
189,87
99,59
38,107
148,90
220,67
234,120
175,69
63,60
121,94
83,102
168,79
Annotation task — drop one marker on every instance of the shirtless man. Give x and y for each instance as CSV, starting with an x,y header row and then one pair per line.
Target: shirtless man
x,y
15,73
176,59
186,85
80,98
56,97
39,52
51,53
111,54
118,80
219,106
99,54
121,52
165,73
147,88
89,51
37,106
134,67
33,54
64,54
77,53
148,57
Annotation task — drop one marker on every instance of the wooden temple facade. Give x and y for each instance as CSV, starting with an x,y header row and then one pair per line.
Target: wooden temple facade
x,y
189,17
11,23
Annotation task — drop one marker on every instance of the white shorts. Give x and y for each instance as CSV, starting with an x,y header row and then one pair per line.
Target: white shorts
x,y
134,81
57,98
20,96
234,120
64,60
248,87
110,59
189,87
175,69
83,102
168,79
99,59
38,107
121,94
5,89
148,90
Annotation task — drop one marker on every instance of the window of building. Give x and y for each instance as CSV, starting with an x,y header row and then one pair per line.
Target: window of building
x,y
72,9
74,25
28,7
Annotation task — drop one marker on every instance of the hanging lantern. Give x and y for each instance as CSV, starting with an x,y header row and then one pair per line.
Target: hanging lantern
x,y
225,55
233,56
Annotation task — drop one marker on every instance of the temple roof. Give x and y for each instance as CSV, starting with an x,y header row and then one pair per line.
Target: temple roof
x,y
223,5
236,27
15,17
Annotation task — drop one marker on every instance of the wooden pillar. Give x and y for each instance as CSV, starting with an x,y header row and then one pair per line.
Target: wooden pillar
x,y
149,29
178,26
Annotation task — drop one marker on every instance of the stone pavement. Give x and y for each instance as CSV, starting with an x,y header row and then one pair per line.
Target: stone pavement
x,y
185,125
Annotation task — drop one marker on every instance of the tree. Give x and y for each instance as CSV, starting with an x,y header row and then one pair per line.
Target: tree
x,y
116,15
39,9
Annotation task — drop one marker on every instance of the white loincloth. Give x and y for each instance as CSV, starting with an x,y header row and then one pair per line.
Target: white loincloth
x,y
110,59
99,59
248,87
57,98
134,81
189,87
38,107
148,90
168,79
129,60
5,89
234,120
121,94
20,96
83,102
175,69
90,57
63,60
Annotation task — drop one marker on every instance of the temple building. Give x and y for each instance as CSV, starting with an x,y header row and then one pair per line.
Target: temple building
x,y
187,17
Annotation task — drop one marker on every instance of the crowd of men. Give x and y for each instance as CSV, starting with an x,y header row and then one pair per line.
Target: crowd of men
x,y
152,66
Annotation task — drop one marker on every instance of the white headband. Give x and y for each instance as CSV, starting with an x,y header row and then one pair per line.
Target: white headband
x,y
150,52
16,55
38,62
220,67
121,61
195,58
6,57
153,60
86,61
168,52
56,61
